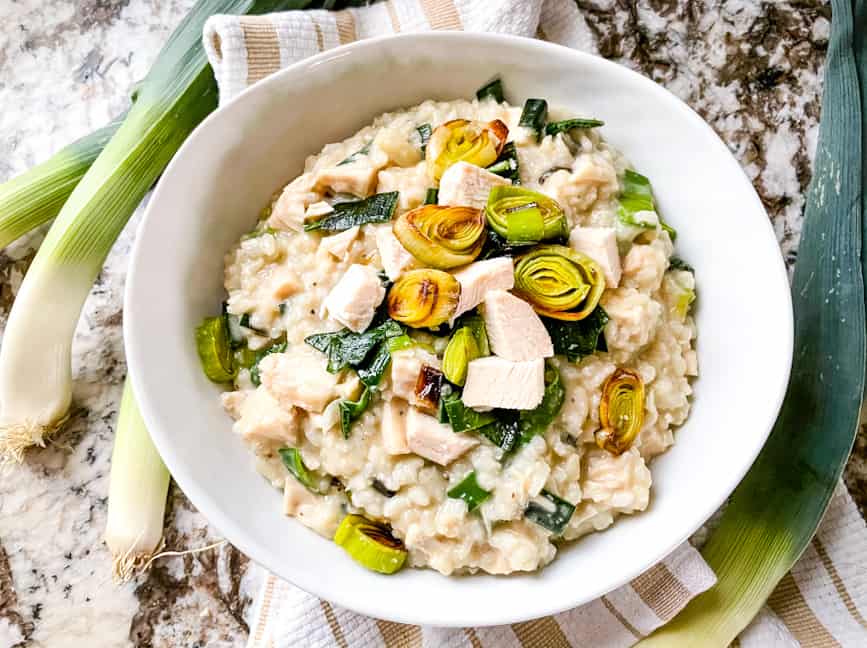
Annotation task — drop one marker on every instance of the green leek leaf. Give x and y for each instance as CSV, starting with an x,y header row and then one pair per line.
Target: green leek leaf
x,y
775,510
291,458
568,124
378,208
577,339
351,410
550,512
492,90
468,489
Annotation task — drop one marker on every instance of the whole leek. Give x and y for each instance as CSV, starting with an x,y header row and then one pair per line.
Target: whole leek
x,y
136,493
33,198
775,510
35,358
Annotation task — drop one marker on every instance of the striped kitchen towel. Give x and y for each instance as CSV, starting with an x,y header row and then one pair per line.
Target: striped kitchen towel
x,y
821,603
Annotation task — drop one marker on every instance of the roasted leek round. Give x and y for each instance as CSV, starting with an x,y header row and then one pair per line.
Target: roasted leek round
x,y
424,298
440,236
559,282
462,140
621,411
370,544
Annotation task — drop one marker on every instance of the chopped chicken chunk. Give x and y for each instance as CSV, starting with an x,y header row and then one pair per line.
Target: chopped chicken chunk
x,y
410,182
480,277
466,185
338,245
406,365
433,440
394,427
288,212
600,244
497,382
357,177
395,259
298,378
283,282
261,418
354,299
514,330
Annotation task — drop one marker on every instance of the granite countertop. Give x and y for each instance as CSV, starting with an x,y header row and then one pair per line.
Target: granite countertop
x,y
752,69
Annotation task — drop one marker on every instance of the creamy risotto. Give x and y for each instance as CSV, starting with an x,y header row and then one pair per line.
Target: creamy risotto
x,y
458,338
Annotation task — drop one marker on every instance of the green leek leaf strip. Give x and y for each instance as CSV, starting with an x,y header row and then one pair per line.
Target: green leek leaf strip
x,y
493,90
345,348
382,489
371,374
775,510
378,208
550,512
505,431
360,153
534,115
506,164
463,418
577,339
291,458
446,393
424,132
215,350
432,196
352,410
34,197
536,421
676,263
568,124
178,92
400,343
468,489
637,196
498,246
278,347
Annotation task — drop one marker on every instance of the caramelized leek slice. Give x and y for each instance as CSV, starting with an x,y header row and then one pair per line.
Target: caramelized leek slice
x,y
215,350
524,216
559,282
440,236
461,350
461,140
621,411
424,298
370,544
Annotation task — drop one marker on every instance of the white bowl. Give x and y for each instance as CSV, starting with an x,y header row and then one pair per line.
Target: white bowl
x,y
228,168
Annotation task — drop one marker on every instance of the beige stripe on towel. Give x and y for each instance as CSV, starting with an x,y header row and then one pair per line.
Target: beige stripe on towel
x,y
789,604
399,635
345,26
541,632
261,37
441,14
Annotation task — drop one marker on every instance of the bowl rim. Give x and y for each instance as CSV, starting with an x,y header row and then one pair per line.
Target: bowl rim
x,y
232,532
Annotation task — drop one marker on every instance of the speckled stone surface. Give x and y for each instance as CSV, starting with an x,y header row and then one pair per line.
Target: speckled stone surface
x,y
751,68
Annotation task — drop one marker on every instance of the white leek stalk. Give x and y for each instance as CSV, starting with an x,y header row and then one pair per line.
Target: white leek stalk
x,y
136,493
35,358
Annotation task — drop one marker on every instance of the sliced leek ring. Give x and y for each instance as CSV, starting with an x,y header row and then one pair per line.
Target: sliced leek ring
x,y
215,349
424,298
524,216
621,411
370,544
462,349
462,140
559,282
441,236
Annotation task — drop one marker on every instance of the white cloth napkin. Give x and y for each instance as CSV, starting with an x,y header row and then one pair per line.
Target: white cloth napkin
x,y
822,602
